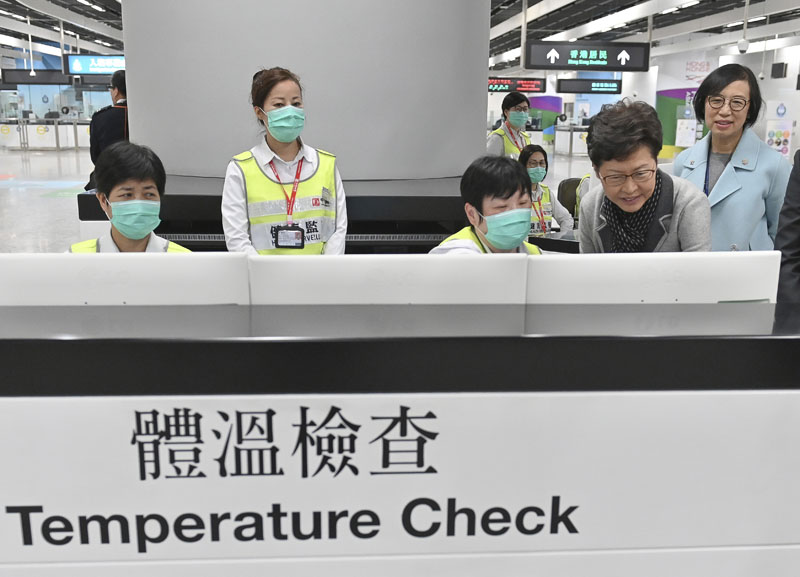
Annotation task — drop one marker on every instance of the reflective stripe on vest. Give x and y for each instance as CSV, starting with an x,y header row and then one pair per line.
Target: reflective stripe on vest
x,y
547,210
91,246
467,233
314,209
509,148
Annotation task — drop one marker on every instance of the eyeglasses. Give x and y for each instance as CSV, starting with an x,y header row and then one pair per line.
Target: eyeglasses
x,y
737,103
619,179
520,109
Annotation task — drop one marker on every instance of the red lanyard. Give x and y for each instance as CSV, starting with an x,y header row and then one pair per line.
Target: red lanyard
x,y
289,201
540,215
511,134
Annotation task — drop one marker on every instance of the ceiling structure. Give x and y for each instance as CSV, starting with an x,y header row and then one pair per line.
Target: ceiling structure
x,y
91,25
677,25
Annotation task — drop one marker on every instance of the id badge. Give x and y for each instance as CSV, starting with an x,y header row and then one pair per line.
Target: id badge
x,y
289,236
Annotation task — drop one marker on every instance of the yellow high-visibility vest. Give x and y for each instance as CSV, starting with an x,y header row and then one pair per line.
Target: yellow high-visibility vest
x,y
509,148
547,212
91,246
314,208
467,233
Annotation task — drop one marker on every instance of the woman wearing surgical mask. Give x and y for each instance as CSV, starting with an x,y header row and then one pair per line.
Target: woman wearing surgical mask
x,y
283,196
497,201
130,182
545,205
511,138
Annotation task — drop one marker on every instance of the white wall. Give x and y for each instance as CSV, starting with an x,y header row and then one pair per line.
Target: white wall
x,y
395,90
783,89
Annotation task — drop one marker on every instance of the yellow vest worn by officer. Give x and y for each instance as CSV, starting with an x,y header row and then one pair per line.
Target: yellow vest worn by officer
x,y
91,246
578,194
509,148
467,233
314,207
547,211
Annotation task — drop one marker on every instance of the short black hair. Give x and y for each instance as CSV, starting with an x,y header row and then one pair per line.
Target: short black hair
x,y
526,153
621,128
124,161
493,177
716,82
511,100
118,82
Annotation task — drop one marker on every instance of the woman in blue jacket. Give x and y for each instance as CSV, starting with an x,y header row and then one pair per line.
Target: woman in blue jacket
x,y
745,180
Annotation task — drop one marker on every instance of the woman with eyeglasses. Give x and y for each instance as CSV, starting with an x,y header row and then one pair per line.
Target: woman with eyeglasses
x,y
511,138
545,204
636,207
745,180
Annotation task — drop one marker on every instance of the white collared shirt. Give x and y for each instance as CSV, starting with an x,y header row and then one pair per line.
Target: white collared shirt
x,y
235,221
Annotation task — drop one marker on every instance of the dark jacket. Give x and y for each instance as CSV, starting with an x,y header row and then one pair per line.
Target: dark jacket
x,y
109,125
787,239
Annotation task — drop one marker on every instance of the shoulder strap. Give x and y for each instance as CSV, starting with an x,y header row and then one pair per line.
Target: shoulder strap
x,y
247,155
84,246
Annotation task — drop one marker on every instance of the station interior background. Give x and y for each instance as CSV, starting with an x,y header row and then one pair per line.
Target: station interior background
x,y
402,100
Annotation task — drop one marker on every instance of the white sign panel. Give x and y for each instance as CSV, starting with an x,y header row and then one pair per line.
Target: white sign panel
x,y
98,480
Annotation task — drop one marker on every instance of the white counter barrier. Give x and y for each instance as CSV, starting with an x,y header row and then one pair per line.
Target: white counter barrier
x,y
225,278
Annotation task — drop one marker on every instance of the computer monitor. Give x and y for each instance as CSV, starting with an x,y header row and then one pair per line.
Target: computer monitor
x,y
387,279
123,279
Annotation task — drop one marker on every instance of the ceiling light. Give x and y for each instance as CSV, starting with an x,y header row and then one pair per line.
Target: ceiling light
x,y
669,10
98,41
70,32
85,2
757,19
690,3
732,24
573,39
98,8
56,28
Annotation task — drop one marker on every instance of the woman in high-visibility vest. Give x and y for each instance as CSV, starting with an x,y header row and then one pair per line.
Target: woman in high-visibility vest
x,y
510,138
546,206
283,196
130,182
497,201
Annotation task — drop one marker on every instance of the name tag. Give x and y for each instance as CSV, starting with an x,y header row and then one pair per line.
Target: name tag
x,y
289,236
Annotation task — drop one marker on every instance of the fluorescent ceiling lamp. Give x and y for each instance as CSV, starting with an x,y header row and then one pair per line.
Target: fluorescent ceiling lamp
x,y
98,41
85,2
690,3
573,39
757,19
98,8
732,24
669,10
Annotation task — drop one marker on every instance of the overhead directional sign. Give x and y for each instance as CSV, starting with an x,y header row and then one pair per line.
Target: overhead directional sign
x,y
589,86
614,56
516,84
86,64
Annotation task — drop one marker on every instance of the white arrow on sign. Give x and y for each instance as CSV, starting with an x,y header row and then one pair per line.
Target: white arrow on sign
x,y
623,57
552,56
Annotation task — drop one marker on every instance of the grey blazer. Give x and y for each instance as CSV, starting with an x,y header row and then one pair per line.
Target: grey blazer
x,y
682,221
